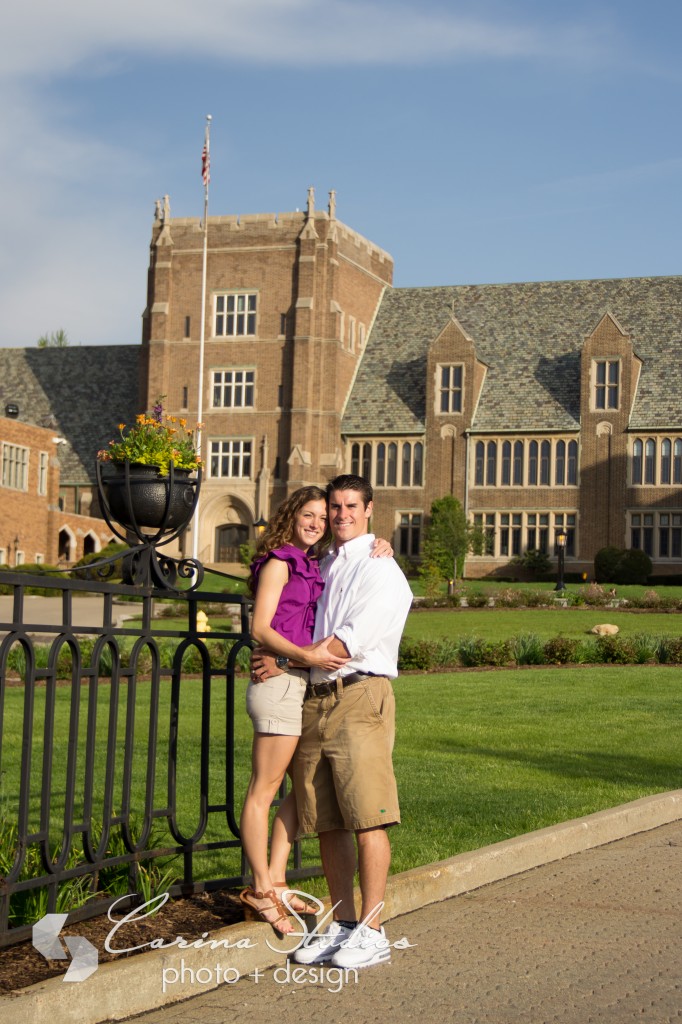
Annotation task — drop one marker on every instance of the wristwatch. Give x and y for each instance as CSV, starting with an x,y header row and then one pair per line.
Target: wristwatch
x,y
281,661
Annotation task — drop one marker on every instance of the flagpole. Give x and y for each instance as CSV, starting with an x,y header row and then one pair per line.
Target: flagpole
x,y
206,176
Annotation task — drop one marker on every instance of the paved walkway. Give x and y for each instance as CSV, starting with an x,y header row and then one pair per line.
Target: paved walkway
x,y
596,937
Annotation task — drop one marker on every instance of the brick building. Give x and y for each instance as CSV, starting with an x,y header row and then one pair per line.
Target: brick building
x,y
60,406
35,528
541,406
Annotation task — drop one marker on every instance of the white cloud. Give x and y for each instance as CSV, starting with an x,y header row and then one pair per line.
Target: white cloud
x,y
624,176
74,34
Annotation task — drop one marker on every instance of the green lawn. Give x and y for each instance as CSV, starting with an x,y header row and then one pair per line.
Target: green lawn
x,y
480,756
483,756
502,623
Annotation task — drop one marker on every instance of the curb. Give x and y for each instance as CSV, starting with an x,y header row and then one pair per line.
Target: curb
x,y
135,984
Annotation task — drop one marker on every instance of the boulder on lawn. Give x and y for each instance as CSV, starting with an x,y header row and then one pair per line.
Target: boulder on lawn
x,y
605,629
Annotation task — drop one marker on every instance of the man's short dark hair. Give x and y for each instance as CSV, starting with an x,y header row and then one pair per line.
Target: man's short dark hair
x,y
350,482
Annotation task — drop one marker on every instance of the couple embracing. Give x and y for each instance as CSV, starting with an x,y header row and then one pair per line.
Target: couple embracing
x,y
320,693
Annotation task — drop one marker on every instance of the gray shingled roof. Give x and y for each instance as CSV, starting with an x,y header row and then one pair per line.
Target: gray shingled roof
x,y
530,336
81,392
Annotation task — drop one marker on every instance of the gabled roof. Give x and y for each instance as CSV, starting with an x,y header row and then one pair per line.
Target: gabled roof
x,y
530,336
81,392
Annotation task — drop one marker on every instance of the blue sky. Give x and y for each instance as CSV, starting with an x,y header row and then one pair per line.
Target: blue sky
x,y
475,141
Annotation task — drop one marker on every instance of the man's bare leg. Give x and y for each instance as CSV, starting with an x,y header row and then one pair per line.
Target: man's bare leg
x,y
374,858
337,850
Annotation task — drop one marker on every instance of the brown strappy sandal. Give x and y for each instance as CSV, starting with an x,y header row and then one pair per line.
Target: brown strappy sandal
x,y
297,904
254,913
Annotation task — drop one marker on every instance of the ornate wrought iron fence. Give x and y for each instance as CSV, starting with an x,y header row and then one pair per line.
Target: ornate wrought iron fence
x,y
90,764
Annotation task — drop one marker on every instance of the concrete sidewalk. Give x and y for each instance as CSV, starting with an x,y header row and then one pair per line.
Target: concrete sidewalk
x,y
88,611
596,937
576,923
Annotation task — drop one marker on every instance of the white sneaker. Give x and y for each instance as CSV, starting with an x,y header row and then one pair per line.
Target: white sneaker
x,y
323,946
364,947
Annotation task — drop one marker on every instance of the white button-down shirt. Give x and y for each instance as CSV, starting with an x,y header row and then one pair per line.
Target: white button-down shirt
x,y
364,604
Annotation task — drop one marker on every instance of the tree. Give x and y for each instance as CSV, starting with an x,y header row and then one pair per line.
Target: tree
x,y
448,538
55,339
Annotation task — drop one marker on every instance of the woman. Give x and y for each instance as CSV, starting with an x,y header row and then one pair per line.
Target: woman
x,y
286,583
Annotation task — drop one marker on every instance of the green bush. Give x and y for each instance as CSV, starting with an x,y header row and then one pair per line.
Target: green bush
x,y
536,562
527,649
605,562
615,650
645,648
634,567
476,599
112,571
670,650
416,654
627,567
560,650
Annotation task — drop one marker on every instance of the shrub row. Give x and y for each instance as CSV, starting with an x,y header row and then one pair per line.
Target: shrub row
x,y
218,651
529,649
593,595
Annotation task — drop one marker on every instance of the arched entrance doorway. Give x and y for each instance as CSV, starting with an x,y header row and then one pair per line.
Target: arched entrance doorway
x,y
66,545
89,544
228,538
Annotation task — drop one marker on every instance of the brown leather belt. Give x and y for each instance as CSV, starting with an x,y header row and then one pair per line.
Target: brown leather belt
x,y
326,689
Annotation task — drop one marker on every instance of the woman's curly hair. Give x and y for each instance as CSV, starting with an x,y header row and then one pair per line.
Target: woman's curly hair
x,y
280,528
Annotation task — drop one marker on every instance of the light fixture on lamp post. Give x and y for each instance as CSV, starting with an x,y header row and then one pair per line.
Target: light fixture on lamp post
x,y
560,539
259,526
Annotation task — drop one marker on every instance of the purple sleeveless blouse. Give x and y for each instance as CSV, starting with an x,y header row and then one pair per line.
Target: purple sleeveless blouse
x,y
295,615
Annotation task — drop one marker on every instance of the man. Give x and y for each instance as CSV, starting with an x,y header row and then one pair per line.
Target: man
x,y
343,770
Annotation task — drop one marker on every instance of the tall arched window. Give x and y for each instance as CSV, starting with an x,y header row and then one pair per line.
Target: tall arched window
x,y
381,464
560,463
666,466
406,463
572,466
650,462
392,474
418,464
545,453
506,463
677,462
367,461
637,461
518,463
479,464
533,464
491,464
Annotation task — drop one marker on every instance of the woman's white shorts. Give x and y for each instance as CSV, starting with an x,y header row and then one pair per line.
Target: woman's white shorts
x,y
275,706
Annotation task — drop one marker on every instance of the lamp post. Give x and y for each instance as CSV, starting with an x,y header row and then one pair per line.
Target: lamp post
x,y
259,526
561,537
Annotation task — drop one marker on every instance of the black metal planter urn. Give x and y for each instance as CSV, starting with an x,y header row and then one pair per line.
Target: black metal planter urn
x,y
155,509
144,499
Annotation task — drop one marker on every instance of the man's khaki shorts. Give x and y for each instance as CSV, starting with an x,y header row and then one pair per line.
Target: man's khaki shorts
x,y
343,768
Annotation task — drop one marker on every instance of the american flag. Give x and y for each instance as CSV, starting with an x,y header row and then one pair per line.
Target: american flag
x,y
206,163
